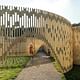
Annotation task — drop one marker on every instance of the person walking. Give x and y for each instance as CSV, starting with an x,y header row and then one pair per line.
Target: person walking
x,y
31,51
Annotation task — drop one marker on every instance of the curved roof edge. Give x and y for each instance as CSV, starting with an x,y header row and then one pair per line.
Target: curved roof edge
x,y
45,11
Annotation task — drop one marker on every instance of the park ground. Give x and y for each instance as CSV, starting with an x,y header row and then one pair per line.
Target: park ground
x,y
40,67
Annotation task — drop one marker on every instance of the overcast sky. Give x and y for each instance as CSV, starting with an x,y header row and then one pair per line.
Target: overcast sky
x,y
69,9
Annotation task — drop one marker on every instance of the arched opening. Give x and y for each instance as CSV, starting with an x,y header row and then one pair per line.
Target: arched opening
x,y
41,45
42,49
45,52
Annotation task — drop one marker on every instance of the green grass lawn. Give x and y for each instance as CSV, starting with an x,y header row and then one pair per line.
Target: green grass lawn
x,y
12,66
9,74
73,74
15,61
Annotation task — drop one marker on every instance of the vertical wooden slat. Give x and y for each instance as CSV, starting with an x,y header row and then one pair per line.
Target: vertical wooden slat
x,y
8,26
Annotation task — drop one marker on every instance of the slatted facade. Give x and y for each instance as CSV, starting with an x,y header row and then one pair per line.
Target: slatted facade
x,y
17,24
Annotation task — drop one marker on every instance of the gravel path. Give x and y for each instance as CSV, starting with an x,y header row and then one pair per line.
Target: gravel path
x,y
43,71
40,72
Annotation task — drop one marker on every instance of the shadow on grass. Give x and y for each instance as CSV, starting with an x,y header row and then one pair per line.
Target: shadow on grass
x,y
73,74
15,62
12,66
52,59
